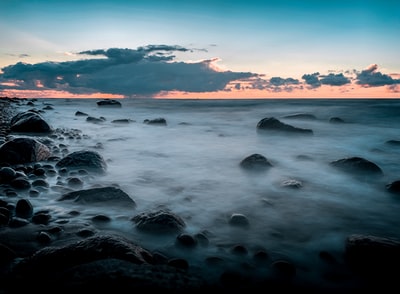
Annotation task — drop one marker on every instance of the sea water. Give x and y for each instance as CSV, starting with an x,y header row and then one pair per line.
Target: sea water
x,y
191,167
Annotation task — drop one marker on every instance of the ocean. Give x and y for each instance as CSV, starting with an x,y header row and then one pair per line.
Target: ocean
x,y
191,166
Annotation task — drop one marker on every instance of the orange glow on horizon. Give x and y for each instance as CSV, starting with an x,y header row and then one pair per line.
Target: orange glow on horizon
x,y
324,91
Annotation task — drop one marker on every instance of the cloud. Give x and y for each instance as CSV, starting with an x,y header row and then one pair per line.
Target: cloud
x,y
312,79
370,77
334,80
145,71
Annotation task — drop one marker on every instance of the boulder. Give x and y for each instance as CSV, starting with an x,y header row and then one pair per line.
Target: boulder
x,y
357,165
161,221
29,122
273,124
23,150
107,195
84,159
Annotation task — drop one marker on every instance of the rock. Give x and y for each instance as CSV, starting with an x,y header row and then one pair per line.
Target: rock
x,y
105,195
29,122
373,256
156,121
357,165
84,159
273,124
394,187
23,150
109,102
161,221
238,219
255,162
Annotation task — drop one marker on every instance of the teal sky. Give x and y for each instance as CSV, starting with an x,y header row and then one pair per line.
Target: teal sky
x,y
284,39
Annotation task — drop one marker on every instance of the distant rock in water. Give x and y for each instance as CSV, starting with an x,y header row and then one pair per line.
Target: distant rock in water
x,y
255,162
357,165
23,150
108,195
156,121
301,116
80,113
273,124
29,122
84,159
109,102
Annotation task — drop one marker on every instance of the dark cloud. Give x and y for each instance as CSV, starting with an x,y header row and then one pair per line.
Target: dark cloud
x,y
334,80
373,78
312,79
145,71
278,81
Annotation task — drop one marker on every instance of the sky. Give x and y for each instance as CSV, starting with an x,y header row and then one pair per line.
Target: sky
x,y
200,49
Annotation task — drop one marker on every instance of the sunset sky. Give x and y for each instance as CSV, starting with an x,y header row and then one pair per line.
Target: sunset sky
x,y
200,49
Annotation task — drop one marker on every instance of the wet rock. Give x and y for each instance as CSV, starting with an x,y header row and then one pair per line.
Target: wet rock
x,y
373,256
85,159
357,165
29,122
255,162
104,195
156,121
238,219
394,187
23,208
161,221
273,124
109,102
23,150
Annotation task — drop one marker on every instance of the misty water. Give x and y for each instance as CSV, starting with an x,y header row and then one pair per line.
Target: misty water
x,y
191,166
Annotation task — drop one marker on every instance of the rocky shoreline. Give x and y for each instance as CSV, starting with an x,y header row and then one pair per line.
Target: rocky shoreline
x,y
45,251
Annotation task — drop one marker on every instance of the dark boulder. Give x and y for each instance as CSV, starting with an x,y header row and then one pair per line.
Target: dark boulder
x,y
373,256
255,162
394,187
156,121
105,195
84,159
357,165
161,221
23,150
109,102
273,124
29,122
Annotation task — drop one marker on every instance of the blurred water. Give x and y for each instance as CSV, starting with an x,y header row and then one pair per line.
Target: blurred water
x,y
191,166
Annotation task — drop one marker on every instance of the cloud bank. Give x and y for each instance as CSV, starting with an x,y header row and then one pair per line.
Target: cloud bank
x,y
145,71
151,70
